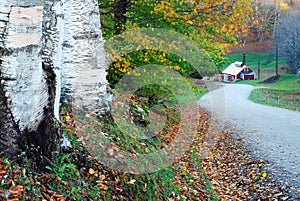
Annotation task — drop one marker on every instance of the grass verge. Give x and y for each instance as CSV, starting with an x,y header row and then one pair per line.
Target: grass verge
x,y
284,93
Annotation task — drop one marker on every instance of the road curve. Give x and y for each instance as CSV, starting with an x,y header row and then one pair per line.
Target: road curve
x,y
273,132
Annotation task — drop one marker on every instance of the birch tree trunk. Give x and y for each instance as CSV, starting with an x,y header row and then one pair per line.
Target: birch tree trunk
x,y
46,46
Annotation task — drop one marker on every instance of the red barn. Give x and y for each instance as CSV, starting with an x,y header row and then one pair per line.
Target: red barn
x,y
238,71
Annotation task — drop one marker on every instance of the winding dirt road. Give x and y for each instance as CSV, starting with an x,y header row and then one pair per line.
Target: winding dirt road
x,y
274,133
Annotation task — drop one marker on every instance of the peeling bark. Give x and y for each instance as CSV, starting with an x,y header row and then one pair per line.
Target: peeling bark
x,y
46,46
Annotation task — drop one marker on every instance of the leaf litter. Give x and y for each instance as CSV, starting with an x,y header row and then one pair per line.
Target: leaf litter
x,y
228,172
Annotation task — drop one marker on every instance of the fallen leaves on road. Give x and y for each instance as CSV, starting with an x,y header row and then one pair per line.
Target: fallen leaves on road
x,y
236,175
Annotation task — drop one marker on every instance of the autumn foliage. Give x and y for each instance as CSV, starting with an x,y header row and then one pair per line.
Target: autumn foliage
x,y
213,25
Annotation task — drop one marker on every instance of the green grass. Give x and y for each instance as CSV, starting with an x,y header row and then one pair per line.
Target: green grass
x,y
69,175
267,63
284,93
159,185
267,60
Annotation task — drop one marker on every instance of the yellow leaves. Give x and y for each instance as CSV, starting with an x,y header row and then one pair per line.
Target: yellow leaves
x,y
195,11
117,65
184,170
171,14
223,29
123,70
162,6
210,23
189,22
175,67
24,172
91,171
283,6
131,182
102,187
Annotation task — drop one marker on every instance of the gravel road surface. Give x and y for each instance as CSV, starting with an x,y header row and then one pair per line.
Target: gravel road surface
x,y
273,133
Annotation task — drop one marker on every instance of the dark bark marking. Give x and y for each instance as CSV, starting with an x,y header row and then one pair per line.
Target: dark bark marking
x,y
9,130
48,134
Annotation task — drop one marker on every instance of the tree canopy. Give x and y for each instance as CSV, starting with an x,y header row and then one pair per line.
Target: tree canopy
x,y
213,25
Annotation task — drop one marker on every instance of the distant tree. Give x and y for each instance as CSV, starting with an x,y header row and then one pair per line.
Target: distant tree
x,y
288,39
265,17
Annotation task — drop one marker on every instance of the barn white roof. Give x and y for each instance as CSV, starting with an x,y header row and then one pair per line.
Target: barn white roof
x,y
234,68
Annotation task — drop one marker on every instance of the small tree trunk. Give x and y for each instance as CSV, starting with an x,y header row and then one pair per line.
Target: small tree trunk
x,y
84,58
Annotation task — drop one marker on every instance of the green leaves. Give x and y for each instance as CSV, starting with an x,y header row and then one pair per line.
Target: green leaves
x,y
213,25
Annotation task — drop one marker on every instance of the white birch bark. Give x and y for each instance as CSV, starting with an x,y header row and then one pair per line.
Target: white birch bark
x,y
38,38
26,91
84,58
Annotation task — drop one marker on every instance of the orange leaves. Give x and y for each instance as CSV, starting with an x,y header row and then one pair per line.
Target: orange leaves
x,y
16,185
68,120
235,175
16,191
228,172
69,127
54,196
